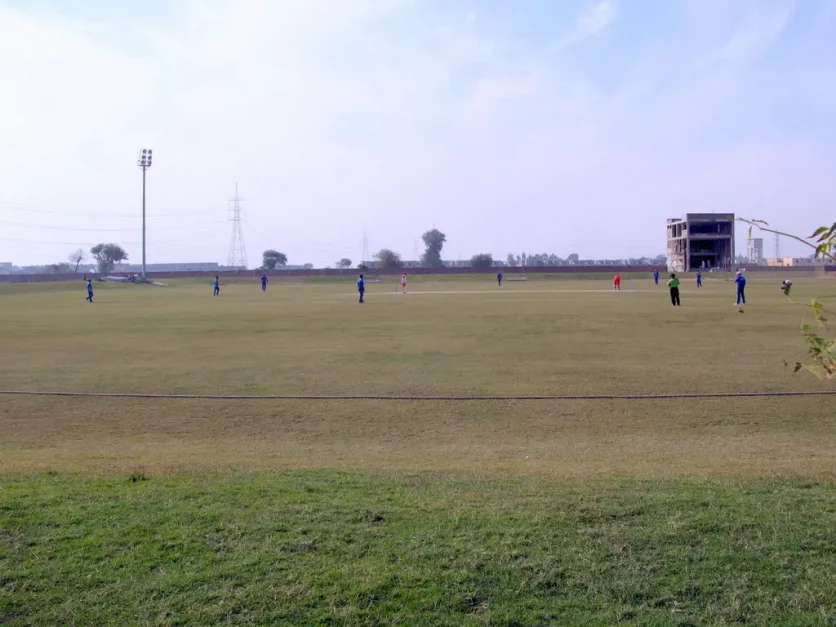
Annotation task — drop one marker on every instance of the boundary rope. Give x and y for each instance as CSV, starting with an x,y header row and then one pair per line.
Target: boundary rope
x,y
383,397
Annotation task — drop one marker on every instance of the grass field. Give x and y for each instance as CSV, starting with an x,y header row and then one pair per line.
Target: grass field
x,y
413,512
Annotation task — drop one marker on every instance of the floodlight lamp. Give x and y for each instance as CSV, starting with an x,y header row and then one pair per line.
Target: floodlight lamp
x,y
145,157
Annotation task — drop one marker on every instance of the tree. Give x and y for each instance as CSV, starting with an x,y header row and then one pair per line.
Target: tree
x,y
482,261
77,257
434,241
573,258
107,255
344,263
58,268
512,261
272,258
362,267
821,350
388,259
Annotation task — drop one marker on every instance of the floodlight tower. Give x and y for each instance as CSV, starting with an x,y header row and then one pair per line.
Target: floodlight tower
x,y
144,162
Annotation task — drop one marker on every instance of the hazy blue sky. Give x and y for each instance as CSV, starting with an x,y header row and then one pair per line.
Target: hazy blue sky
x,y
534,125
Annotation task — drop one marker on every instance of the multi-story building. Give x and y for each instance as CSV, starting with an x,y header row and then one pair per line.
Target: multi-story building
x,y
701,241
754,250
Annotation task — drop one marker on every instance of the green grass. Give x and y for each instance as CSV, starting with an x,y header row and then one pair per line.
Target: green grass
x,y
538,337
319,548
714,511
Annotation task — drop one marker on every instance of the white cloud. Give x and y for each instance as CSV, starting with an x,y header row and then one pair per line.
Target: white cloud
x,y
752,37
590,24
596,19
489,94
331,114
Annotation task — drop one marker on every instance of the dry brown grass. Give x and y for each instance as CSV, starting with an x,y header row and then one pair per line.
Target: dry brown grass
x,y
537,337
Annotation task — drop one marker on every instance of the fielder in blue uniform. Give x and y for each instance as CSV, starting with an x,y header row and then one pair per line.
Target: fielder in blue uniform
x,y
263,282
89,291
216,285
656,276
740,281
699,278
361,287
499,279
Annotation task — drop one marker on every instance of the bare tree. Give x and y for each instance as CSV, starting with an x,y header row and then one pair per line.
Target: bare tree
x,y
76,257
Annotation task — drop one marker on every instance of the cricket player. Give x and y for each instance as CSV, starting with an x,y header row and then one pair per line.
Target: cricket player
x,y
499,279
740,281
673,285
616,282
403,282
786,284
216,285
361,288
655,276
699,278
263,282
89,298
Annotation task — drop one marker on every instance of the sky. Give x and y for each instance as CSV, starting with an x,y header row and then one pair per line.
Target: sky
x,y
557,126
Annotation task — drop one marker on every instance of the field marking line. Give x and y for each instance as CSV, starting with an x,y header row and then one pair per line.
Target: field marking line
x,y
383,397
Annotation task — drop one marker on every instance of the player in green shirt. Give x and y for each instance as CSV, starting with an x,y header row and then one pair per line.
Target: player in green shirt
x,y
673,284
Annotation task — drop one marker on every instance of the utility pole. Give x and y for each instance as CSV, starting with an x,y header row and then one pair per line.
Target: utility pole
x,y
237,251
365,256
144,162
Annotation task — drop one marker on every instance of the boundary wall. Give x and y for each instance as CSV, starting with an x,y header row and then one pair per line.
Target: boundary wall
x,y
352,272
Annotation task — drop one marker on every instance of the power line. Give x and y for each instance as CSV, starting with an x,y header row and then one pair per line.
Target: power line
x,y
35,241
35,209
62,228
123,243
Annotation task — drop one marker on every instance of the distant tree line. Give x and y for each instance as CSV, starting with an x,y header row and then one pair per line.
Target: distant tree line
x,y
107,255
550,259
434,240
